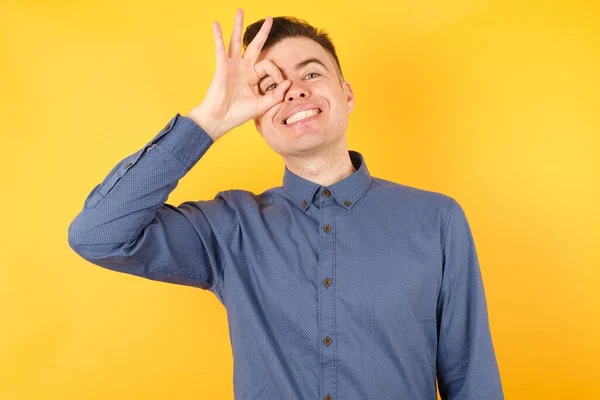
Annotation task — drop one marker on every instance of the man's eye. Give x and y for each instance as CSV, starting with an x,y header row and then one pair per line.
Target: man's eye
x,y
312,73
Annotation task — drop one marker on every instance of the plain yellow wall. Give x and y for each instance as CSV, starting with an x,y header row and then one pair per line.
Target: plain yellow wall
x,y
493,103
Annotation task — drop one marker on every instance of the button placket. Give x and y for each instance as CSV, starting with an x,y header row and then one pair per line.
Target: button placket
x,y
326,301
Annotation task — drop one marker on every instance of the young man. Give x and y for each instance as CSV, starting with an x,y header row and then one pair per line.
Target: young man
x,y
337,284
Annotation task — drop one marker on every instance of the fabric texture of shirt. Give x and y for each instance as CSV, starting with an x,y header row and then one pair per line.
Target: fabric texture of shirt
x,y
364,289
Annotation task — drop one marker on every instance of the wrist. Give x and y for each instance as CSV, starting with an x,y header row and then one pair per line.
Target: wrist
x,y
203,120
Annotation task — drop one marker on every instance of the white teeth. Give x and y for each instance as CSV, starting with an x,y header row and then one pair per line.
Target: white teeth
x,y
301,115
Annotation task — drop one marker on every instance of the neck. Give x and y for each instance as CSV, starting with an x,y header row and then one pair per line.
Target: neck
x,y
325,167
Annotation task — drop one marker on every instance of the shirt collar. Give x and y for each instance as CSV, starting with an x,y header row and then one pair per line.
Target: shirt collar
x,y
346,191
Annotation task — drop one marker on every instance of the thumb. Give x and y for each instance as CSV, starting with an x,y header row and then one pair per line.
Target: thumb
x,y
274,96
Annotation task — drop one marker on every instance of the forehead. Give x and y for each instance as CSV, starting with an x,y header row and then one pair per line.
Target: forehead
x,y
286,53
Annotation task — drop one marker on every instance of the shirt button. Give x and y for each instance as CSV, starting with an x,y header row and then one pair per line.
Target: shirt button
x,y
327,227
326,282
347,202
328,397
326,193
327,341
304,203
167,126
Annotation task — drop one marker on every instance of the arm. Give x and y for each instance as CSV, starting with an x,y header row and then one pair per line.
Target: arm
x,y
125,224
466,364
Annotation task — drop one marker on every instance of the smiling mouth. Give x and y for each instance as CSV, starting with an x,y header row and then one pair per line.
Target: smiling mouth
x,y
285,123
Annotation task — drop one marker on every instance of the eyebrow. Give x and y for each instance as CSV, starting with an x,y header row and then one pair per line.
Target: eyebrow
x,y
300,65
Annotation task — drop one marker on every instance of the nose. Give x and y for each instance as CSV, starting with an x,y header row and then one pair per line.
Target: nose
x,y
301,94
295,91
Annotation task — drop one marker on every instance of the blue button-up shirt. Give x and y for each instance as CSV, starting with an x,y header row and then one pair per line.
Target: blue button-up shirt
x,y
362,289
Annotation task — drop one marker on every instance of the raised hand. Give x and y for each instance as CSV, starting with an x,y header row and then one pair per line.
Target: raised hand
x,y
233,96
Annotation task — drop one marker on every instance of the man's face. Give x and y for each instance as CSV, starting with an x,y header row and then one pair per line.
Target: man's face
x,y
311,84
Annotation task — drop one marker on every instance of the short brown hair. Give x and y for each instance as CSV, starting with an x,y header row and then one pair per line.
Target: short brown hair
x,y
284,27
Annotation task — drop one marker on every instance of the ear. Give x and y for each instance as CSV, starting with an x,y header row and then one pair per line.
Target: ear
x,y
349,95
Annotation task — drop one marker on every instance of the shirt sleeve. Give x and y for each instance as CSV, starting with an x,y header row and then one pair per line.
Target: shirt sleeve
x,y
126,226
466,365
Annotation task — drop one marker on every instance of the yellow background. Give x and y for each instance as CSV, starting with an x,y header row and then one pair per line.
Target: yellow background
x,y
493,103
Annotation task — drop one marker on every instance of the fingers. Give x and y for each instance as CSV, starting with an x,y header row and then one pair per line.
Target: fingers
x,y
281,89
272,97
235,43
266,67
219,45
254,48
